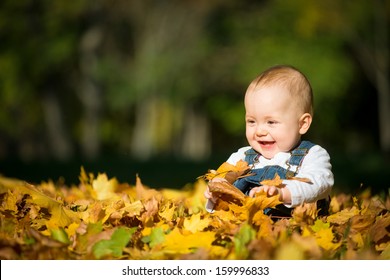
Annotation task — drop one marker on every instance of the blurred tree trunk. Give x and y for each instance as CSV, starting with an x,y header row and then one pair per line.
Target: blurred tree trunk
x,y
59,142
375,62
146,114
165,53
196,141
90,93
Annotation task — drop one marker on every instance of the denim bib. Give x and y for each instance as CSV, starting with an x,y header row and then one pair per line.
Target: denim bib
x,y
245,184
268,172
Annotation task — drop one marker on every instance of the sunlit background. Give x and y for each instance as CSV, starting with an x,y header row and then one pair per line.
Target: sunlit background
x,y
156,87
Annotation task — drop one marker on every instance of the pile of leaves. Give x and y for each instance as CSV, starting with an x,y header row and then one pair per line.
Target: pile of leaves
x,y
102,218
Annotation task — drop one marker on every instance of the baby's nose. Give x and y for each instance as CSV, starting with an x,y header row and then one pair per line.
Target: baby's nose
x,y
260,131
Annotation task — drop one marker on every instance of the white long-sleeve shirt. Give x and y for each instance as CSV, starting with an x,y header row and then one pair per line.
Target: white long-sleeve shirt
x,y
315,166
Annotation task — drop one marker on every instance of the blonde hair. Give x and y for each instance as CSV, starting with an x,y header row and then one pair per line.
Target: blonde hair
x,y
291,78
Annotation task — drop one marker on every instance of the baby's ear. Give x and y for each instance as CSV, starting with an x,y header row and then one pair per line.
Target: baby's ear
x,y
304,123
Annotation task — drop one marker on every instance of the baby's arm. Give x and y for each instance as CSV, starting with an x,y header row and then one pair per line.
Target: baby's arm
x,y
316,168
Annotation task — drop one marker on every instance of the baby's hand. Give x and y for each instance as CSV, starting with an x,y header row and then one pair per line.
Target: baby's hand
x,y
269,190
209,195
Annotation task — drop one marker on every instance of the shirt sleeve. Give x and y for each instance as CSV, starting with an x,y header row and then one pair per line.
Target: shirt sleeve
x,y
237,156
317,168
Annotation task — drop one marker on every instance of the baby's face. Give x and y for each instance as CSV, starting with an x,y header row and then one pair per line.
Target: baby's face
x,y
272,120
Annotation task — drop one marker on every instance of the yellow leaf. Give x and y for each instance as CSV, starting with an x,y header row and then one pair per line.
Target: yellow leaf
x,y
196,223
343,216
104,188
178,243
265,226
276,181
324,235
358,239
325,238
290,251
60,217
71,229
10,202
94,214
261,201
167,211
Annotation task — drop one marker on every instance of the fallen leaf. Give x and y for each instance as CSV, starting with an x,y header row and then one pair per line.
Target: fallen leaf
x,y
177,243
240,169
114,246
104,188
226,192
343,216
196,223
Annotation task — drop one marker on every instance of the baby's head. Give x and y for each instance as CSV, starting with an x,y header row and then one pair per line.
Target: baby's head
x,y
279,109
289,78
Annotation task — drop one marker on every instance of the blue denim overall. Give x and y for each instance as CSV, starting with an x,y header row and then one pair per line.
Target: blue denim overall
x,y
245,184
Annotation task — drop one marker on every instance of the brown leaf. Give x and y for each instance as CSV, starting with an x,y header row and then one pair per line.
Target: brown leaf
x,y
226,192
380,231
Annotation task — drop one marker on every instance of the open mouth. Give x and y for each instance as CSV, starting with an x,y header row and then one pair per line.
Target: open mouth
x,y
267,144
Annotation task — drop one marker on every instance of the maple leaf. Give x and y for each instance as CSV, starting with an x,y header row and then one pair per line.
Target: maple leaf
x,y
231,216
290,251
229,171
115,245
167,211
60,235
178,243
262,201
380,230
226,192
10,202
241,239
278,182
324,235
145,193
307,212
60,216
343,216
151,207
196,223
308,244
104,188
155,236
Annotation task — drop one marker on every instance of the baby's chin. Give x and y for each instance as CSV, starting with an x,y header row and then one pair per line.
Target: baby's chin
x,y
268,149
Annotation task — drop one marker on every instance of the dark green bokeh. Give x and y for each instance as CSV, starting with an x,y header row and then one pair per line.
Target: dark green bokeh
x,y
156,87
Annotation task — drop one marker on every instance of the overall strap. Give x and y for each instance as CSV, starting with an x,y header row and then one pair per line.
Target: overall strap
x,y
296,158
300,152
297,155
251,156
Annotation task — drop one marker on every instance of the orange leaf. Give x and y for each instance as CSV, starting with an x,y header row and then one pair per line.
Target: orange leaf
x,y
228,170
278,182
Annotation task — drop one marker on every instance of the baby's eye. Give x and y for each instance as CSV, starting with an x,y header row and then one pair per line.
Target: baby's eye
x,y
250,121
272,122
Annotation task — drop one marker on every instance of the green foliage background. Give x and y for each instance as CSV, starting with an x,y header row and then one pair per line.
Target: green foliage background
x,y
83,82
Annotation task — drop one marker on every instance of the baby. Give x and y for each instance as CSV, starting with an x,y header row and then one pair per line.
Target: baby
x,y
279,110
